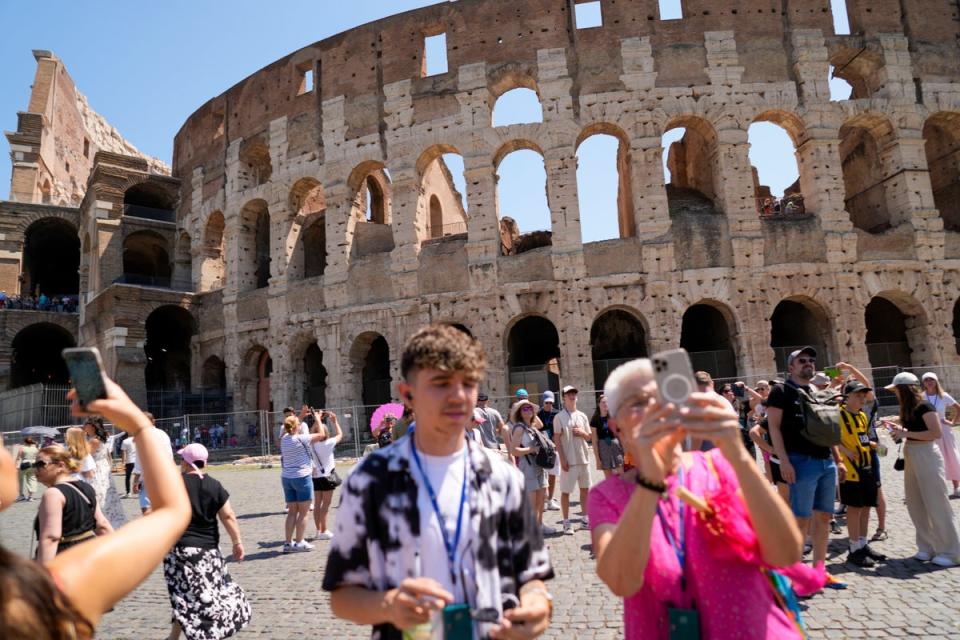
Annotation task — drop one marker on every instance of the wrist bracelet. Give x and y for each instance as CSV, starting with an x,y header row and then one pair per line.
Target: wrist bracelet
x,y
650,485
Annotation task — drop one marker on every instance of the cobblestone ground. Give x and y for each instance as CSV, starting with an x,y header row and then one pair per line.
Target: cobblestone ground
x,y
902,598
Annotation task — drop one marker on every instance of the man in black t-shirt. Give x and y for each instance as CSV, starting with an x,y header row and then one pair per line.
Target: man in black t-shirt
x,y
546,415
810,470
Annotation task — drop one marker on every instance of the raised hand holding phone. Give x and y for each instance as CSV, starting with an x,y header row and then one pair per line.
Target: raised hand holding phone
x,y
86,373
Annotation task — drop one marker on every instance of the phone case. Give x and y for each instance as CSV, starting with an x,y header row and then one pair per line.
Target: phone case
x,y
684,624
674,375
457,623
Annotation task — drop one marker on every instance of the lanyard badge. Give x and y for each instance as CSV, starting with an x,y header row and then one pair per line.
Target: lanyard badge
x,y
684,623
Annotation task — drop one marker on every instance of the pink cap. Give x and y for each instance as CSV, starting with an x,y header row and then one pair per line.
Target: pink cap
x,y
193,453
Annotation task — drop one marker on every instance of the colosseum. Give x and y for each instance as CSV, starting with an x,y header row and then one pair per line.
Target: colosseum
x,y
309,221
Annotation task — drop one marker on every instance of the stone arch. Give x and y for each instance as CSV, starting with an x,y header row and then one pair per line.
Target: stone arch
x,y
253,380
146,259
369,362
183,262
254,246
307,239
169,330
862,68
256,166
623,166
539,229
617,335
792,201
864,152
941,134
440,206
692,164
517,89
532,348
51,258
898,331
35,355
213,374
371,186
213,261
799,321
709,333
149,199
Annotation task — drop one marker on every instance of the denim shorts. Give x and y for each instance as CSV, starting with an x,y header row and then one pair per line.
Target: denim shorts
x,y
297,489
816,485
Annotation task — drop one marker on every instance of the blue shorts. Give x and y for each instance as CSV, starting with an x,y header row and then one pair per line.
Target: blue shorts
x,y
297,489
144,498
816,485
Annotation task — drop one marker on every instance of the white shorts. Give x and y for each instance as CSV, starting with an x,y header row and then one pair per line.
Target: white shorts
x,y
578,474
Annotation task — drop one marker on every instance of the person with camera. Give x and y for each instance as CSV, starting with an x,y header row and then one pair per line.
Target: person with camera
x,y
685,538
924,487
296,471
67,596
325,478
435,536
525,445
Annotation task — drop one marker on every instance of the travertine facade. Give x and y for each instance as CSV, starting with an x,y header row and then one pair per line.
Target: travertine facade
x,y
306,234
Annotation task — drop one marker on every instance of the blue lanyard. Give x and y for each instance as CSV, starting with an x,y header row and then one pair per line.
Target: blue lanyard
x,y
681,549
450,547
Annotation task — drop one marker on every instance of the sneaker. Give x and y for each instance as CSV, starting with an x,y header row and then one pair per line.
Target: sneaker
x,y
547,531
585,525
21,499
326,535
835,527
553,505
567,529
303,545
922,556
942,560
839,511
879,557
835,583
860,558
807,548
288,548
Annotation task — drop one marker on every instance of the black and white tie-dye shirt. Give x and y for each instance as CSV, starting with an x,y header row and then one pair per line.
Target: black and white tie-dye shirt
x,y
377,537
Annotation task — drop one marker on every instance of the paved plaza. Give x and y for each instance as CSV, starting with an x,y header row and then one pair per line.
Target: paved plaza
x,y
902,598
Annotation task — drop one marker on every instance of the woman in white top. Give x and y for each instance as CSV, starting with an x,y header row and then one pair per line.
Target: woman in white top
x,y
325,478
296,463
79,448
942,402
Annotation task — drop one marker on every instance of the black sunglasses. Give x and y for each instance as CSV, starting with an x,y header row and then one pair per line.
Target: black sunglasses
x,y
40,464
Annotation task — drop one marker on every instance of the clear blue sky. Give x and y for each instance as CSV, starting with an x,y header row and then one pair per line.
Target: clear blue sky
x,y
146,67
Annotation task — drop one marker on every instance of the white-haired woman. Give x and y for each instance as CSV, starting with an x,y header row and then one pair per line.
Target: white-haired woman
x,y
704,552
943,402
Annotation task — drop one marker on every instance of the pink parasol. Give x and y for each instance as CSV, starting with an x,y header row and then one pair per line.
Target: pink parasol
x,y
394,409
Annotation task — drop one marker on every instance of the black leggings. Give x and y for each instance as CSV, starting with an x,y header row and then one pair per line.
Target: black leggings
x,y
128,468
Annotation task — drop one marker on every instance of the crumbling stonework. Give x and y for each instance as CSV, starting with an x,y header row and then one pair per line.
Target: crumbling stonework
x,y
696,265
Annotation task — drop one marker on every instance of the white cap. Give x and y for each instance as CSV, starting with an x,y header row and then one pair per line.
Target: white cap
x,y
904,377
929,375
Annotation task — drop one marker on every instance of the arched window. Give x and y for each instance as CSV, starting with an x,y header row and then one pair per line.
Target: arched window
x,y
167,348
705,334
887,342
603,187
255,164
442,207
773,156
796,324
213,376
865,173
533,355
436,218
517,106
212,268
942,136
314,378
183,267
51,258
522,205
255,243
35,357
690,175
376,203
150,200
616,337
146,259
314,248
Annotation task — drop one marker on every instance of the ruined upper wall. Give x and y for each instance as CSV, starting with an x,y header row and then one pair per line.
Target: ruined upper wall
x,y
57,137
506,37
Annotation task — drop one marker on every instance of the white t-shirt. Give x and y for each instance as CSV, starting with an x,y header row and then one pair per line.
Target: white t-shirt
x,y
323,451
87,464
446,477
303,431
129,449
166,442
576,450
940,403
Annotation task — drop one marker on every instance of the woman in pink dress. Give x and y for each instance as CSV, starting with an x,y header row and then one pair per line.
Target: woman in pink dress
x,y
942,402
699,564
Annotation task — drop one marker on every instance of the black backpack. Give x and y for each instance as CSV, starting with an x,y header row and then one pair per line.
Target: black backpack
x,y
546,455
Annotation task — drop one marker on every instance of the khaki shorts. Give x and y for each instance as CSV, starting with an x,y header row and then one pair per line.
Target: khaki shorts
x,y
578,474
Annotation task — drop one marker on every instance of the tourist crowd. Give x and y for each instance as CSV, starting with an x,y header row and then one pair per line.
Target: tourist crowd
x,y
440,531
59,304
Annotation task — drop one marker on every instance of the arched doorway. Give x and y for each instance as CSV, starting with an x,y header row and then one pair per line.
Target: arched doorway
x,y
146,259
533,355
167,348
794,325
314,378
616,337
51,258
213,376
213,265
254,239
887,342
35,357
370,369
705,334
264,371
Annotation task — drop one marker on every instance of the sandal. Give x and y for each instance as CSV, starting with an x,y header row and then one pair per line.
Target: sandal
x,y
879,536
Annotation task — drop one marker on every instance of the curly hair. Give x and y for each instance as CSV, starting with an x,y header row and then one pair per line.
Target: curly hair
x,y
446,348
98,429
31,605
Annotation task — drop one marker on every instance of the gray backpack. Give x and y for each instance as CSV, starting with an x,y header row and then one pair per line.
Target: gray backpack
x,y
821,417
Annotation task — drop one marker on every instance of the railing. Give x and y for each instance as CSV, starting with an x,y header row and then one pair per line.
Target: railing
x,y
718,364
450,229
162,282
149,213
789,207
63,304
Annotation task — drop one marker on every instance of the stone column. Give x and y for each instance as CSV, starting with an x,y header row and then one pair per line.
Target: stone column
x,y
567,241
821,183
733,185
483,223
339,225
404,260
